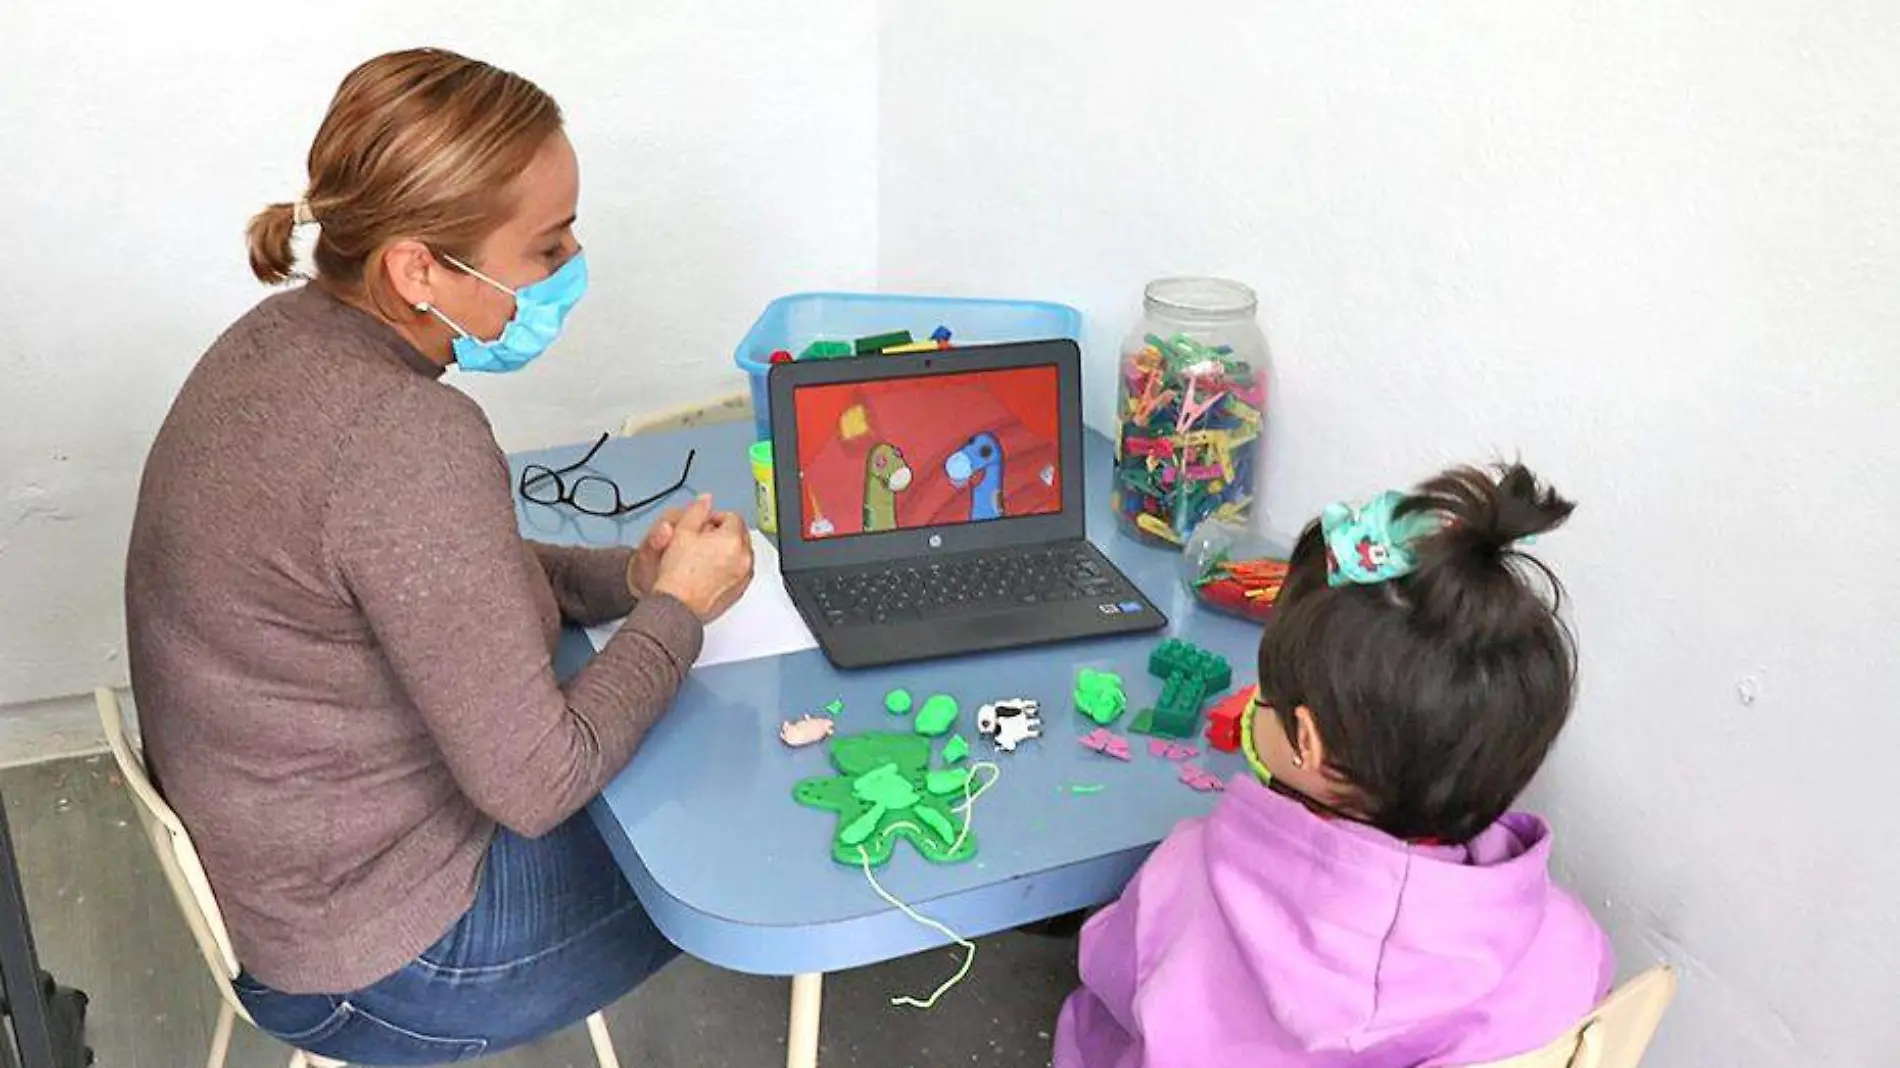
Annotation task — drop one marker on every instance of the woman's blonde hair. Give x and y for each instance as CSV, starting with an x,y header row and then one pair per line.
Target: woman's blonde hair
x,y
420,145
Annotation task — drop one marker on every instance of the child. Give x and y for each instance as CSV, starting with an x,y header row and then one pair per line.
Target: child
x,y
1364,898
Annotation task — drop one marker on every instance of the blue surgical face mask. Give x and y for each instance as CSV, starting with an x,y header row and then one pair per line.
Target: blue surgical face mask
x,y
540,309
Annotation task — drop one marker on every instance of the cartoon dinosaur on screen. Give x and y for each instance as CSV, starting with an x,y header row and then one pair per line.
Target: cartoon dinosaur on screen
x,y
885,476
979,465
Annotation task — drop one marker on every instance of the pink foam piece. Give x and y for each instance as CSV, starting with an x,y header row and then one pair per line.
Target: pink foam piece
x,y
1200,779
1107,743
1158,747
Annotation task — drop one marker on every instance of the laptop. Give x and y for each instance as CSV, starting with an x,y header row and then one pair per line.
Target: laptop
x,y
931,504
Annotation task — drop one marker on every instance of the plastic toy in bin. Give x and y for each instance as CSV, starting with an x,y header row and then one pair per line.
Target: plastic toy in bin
x,y
820,326
1230,569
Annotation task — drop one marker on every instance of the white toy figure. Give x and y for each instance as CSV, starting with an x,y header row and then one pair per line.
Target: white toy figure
x,y
1010,722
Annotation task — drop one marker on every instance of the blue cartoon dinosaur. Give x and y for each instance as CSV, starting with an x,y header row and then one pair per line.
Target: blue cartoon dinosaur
x,y
979,465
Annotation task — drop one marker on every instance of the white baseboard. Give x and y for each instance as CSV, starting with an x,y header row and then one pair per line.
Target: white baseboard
x,y
60,727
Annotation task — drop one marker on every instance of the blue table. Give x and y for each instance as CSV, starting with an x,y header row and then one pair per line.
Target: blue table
x,y
737,874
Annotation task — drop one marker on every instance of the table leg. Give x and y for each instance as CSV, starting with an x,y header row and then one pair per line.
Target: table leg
x,y
801,1044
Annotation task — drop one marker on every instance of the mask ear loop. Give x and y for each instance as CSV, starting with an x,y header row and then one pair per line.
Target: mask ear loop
x,y
427,308
478,274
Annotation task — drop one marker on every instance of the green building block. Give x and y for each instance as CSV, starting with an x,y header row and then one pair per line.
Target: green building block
x,y
1175,656
897,702
955,749
880,342
826,350
1190,675
1099,696
937,715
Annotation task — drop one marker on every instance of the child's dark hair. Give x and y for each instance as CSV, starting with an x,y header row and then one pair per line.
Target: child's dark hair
x,y
1437,694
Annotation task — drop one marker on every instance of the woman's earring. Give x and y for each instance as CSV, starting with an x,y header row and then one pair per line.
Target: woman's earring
x,y
1298,762
422,307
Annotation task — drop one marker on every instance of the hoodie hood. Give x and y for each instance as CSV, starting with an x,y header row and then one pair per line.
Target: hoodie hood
x,y
1355,937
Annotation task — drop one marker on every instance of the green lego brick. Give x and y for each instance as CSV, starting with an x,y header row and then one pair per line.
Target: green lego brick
x,y
880,342
1175,656
1178,711
1190,675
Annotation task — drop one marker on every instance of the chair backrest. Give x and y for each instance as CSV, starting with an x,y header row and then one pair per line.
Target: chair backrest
x,y
726,409
176,854
1615,1034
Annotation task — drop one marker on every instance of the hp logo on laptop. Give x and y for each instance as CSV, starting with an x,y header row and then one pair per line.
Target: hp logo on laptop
x,y
936,541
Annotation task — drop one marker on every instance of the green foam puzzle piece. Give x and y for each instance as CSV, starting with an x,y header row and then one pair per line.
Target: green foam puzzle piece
x,y
885,787
937,715
955,749
881,793
859,829
836,706
897,702
938,822
946,780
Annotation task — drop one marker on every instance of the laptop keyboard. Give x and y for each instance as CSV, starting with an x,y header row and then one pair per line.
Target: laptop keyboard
x,y
1002,579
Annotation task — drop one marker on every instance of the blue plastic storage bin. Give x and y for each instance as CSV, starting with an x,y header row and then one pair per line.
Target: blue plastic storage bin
x,y
795,321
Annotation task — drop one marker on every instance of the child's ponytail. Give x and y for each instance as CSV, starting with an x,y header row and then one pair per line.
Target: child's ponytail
x,y
1473,582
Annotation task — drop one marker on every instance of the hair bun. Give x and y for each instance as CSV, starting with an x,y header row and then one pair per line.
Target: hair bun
x,y
1471,578
1491,513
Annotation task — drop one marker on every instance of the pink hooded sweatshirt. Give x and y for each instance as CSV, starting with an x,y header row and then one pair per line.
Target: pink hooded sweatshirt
x,y
1264,936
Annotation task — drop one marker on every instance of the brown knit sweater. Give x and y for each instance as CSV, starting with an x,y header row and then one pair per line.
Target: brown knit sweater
x,y
341,647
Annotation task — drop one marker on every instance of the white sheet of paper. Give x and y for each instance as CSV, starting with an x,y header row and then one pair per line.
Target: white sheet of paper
x,y
763,623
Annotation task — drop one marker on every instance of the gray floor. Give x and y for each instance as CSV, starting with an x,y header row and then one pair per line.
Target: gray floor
x,y
105,922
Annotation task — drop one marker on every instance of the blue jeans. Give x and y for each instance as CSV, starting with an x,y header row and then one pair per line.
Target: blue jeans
x,y
555,934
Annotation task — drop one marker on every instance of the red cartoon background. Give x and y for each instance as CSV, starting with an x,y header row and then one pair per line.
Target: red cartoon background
x,y
927,420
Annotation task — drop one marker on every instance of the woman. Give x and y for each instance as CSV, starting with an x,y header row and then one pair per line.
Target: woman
x,y
340,643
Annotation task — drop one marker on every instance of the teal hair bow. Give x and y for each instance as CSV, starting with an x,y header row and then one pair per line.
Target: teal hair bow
x,y
1372,543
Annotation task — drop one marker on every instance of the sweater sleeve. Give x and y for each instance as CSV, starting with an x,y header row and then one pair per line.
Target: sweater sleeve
x,y
421,531
590,585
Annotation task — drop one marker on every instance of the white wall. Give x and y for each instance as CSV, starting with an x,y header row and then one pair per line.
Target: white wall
x,y
1653,247
726,158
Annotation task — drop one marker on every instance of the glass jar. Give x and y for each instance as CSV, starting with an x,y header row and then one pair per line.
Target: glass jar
x,y
1191,409
1231,569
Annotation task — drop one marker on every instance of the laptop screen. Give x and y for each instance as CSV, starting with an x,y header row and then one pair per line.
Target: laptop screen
x,y
928,450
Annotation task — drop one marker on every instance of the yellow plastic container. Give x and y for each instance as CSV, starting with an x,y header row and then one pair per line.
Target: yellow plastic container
x,y
762,487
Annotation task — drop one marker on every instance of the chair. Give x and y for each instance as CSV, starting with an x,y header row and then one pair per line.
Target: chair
x,y
1615,1034
178,857
727,409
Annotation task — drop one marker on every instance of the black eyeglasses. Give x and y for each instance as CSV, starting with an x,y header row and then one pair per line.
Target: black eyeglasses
x,y
591,494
